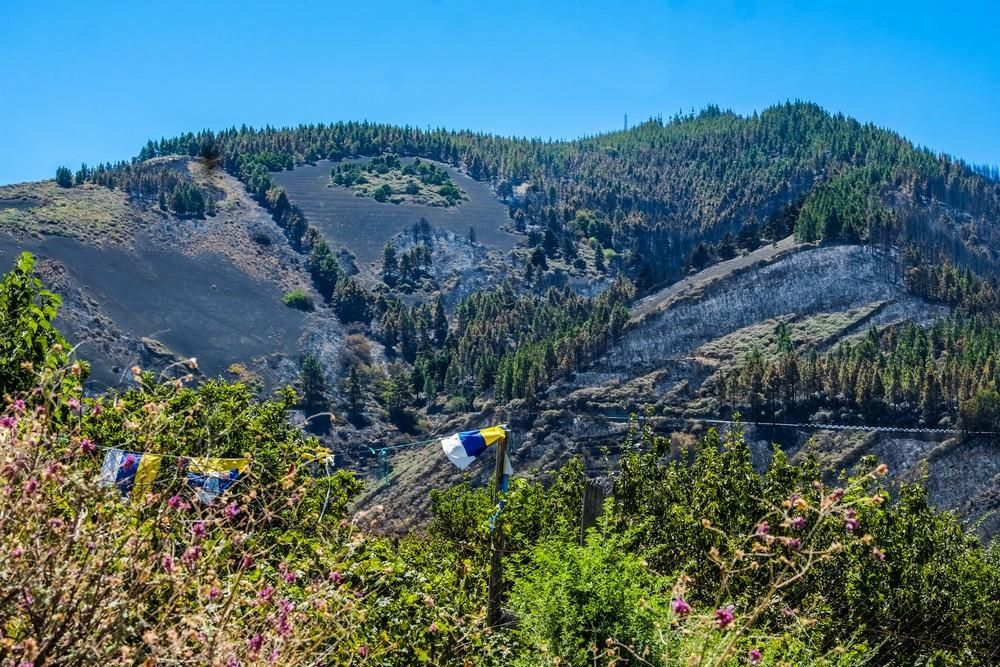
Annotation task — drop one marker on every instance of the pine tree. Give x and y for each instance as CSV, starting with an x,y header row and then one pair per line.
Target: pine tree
x,y
313,384
64,177
440,321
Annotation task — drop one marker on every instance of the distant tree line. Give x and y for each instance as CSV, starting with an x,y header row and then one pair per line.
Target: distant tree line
x,y
658,189
901,374
171,188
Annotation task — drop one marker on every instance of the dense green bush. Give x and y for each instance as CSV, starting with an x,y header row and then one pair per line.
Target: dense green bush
x,y
28,341
299,300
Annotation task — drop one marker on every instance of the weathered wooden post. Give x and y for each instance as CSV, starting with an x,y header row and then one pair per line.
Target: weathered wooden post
x,y
495,586
593,505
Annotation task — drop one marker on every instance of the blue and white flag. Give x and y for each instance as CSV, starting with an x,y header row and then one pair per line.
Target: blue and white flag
x,y
132,472
211,477
465,447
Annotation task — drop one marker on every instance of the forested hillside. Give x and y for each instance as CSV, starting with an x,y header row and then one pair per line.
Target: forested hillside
x,y
415,322
656,191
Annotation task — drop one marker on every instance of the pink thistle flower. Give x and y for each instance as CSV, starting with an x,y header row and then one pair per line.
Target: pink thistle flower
x,y
87,446
191,555
30,486
680,606
17,551
56,524
798,522
254,643
214,593
197,528
19,406
432,628
247,563
837,494
97,409
754,656
232,661
724,617
851,522
265,593
73,403
763,528
877,553
363,651
233,511
794,544
167,563
174,502
8,422
40,410
336,577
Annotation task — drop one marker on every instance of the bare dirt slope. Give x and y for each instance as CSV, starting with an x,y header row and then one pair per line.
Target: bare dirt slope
x,y
700,280
142,286
363,225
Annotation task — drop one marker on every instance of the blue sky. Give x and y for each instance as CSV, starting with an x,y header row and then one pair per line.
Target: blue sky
x,y
93,81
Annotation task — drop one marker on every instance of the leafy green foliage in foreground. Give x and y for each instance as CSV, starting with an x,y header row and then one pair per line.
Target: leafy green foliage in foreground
x,y
698,560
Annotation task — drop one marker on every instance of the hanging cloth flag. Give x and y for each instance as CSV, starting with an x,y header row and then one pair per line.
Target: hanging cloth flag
x,y
319,455
463,448
132,472
210,477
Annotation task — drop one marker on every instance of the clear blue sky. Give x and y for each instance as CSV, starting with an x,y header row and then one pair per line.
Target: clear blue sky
x,y
92,82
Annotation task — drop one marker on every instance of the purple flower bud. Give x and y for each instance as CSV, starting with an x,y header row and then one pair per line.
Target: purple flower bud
x,y
798,522
363,651
87,446
174,502
233,511
336,577
754,656
794,544
680,606
19,406
30,486
724,617
197,528
73,403
851,522
879,556
167,563
763,528
191,555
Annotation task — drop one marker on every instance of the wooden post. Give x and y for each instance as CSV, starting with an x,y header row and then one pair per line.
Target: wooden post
x,y
495,586
593,505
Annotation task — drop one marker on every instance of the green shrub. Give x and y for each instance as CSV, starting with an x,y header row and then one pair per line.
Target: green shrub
x,y
573,599
299,300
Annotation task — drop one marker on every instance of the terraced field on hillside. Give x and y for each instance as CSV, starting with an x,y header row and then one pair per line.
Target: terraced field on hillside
x,y
363,225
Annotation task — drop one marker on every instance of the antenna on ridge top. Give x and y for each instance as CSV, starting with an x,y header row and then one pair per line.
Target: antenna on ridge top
x,y
626,122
